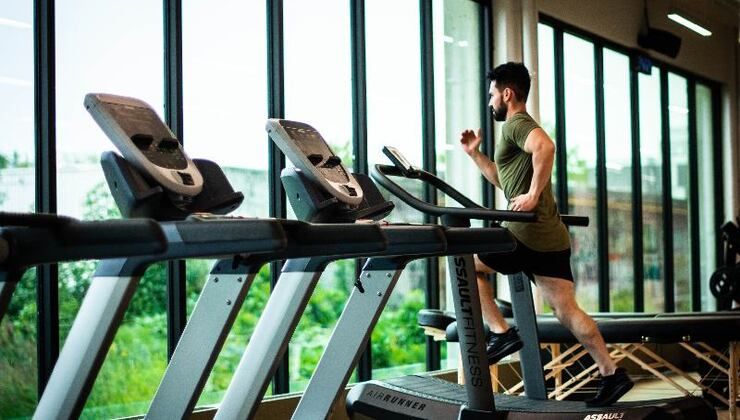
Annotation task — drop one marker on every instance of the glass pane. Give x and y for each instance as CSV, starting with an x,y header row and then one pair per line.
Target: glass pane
x,y
618,130
459,93
99,50
318,72
225,86
678,118
580,125
225,91
318,321
394,119
705,161
544,80
17,177
318,91
651,162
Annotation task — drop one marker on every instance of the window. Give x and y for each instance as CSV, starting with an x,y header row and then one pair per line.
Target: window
x,y
618,137
225,89
651,162
17,178
100,50
580,140
224,113
460,90
678,120
660,113
318,91
394,119
706,209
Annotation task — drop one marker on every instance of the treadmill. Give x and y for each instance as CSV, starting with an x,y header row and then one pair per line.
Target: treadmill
x,y
30,239
155,178
424,397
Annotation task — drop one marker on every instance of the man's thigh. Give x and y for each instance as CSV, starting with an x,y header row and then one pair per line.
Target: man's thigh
x,y
559,293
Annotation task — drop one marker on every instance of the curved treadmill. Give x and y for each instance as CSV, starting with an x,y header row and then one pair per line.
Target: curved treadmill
x,y
424,397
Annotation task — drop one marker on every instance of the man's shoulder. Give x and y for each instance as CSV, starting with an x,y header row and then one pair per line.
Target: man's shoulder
x,y
521,117
517,128
518,119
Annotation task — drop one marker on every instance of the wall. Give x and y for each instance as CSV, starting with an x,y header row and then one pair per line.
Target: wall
x,y
619,21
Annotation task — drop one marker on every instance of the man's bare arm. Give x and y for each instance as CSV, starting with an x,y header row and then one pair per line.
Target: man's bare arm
x,y
542,149
470,143
487,167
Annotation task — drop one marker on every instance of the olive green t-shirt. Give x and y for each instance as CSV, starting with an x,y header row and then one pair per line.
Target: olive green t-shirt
x,y
515,172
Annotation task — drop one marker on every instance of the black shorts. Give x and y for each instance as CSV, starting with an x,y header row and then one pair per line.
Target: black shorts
x,y
531,262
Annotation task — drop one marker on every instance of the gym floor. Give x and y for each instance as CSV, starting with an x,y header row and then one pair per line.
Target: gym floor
x,y
649,388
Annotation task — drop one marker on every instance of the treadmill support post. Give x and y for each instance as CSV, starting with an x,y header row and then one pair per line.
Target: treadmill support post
x,y
202,339
464,287
88,341
526,321
352,331
466,299
270,338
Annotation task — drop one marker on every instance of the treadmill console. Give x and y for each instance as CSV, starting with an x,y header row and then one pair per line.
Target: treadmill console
x,y
310,153
145,141
400,162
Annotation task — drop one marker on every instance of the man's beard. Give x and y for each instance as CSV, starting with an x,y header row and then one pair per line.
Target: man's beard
x,y
500,113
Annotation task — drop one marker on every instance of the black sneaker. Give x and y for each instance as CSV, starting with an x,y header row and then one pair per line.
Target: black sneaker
x,y
611,389
502,345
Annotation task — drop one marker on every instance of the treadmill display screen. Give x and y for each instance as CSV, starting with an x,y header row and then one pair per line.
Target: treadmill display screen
x,y
146,131
315,148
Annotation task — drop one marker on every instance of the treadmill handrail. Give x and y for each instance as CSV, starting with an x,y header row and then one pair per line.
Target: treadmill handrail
x,y
471,210
34,219
33,240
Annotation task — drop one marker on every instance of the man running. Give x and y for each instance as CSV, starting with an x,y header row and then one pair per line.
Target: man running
x,y
522,168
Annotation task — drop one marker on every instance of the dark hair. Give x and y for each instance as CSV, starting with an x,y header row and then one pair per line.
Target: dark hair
x,y
513,76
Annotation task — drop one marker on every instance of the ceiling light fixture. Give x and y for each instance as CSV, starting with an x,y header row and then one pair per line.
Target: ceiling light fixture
x,y
14,23
681,20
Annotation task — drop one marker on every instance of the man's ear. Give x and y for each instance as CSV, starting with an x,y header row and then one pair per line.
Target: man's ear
x,y
507,94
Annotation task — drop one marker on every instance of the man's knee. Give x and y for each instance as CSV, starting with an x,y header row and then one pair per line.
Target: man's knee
x,y
564,305
480,267
564,308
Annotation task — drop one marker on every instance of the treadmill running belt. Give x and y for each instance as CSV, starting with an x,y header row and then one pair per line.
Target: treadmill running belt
x,y
518,407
